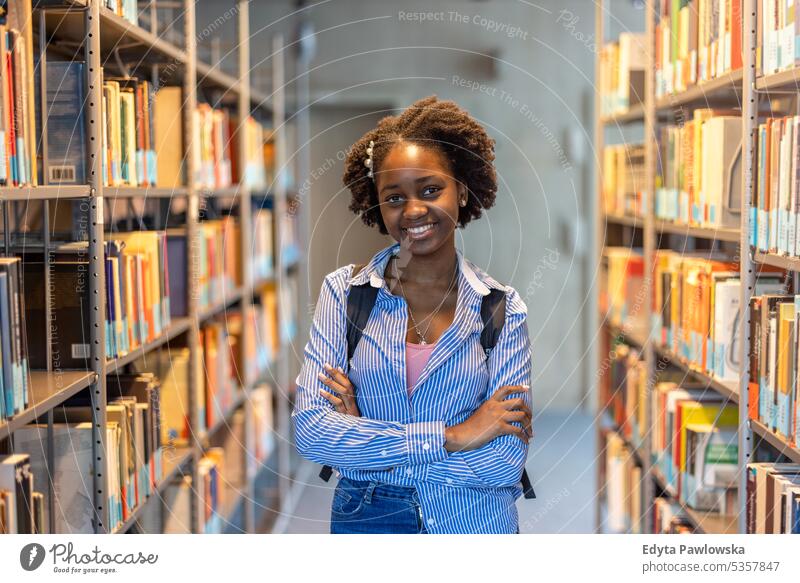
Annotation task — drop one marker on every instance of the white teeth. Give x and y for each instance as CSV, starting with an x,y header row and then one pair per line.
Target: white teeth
x,y
419,230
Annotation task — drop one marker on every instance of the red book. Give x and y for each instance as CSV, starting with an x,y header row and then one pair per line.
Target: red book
x,y
736,34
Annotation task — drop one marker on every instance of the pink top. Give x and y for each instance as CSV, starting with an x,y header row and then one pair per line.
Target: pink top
x,y
417,356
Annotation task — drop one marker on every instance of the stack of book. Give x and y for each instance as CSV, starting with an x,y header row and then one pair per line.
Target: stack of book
x,y
772,385
254,352
695,445
773,498
263,425
133,453
137,282
22,510
696,41
623,180
622,297
137,297
255,167
290,235
222,378
220,260
261,256
173,366
696,309
210,493
237,456
14,359
623,392
17,98
624,492
776,36
129,155
213,147
621,73
776,203
288,309
699,172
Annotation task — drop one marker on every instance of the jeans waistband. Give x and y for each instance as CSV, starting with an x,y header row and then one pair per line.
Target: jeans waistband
x,y
381,488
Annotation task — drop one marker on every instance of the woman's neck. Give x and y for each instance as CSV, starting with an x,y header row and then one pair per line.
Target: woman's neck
x,y
429,270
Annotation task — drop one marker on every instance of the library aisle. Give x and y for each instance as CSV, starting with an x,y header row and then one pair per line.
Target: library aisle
x,y
441,267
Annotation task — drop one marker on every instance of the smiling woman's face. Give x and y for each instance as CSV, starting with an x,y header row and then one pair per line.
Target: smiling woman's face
x,y
418,197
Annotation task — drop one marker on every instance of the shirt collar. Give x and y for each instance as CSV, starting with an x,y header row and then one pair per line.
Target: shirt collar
x,y
377,266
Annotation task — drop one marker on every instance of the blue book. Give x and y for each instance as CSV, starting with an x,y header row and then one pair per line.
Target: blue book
x,y
110,343
66,132
6,332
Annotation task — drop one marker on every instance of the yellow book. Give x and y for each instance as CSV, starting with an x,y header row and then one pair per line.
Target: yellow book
x,y
784,373
694,412
168,124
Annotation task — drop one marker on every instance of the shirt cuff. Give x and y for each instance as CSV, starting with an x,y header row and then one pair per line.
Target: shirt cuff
x,y
425,441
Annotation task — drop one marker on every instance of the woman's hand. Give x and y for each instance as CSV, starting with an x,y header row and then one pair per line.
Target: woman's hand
x,y
344,399
491,419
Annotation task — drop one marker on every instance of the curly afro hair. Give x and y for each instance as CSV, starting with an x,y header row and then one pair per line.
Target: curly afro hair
x,y
428,122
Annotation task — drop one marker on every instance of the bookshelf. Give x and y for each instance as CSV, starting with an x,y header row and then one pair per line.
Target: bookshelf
x,y
99,37
742,89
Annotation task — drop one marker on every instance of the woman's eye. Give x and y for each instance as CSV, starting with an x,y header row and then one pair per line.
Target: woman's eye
x,y
430,190
393,199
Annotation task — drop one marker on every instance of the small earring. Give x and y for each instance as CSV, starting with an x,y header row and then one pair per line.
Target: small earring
x,y
462,202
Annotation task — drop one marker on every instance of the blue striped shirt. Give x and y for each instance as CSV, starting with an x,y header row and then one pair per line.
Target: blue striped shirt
x,y
400,440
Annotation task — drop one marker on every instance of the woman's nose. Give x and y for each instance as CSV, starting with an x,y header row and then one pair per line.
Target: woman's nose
x,y
415,209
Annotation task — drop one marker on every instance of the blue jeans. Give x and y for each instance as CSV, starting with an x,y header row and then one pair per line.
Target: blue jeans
x,y
368,507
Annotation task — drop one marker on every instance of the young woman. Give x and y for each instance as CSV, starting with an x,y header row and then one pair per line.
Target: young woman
x,y
428,434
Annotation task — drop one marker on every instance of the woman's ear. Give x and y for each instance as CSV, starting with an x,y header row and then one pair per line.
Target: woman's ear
x,y
461,189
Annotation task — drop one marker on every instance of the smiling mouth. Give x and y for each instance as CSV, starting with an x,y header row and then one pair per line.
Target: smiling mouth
x,y
421,231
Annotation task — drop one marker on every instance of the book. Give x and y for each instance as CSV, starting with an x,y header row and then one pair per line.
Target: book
x,y
621,73
168,137
65,153
696,41
212,147
14,360
623,180
17,479
130,151
710,477
766,511
137,297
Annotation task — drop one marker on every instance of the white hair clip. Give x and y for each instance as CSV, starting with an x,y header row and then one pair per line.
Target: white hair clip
x,y
368,161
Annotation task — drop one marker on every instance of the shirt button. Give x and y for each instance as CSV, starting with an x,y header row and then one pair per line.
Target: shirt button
x,y
408,471
431,521
449,480
383,452
426,446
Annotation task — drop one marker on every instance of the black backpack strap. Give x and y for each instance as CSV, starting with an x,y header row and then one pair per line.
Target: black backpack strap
x,y
493,314
360,302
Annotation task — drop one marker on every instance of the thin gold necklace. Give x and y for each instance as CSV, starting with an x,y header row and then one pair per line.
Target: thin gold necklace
x,y
421,336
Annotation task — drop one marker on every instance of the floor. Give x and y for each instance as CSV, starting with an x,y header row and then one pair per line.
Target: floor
x,y
561,465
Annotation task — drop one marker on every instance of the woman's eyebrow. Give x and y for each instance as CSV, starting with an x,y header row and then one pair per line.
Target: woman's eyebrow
x,y
416,181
